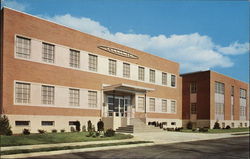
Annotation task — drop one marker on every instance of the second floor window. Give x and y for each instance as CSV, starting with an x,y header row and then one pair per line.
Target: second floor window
x,y
173,80
164,105
152,76
48,94
141,73
48,53
112,67
164,78
22,92
23,47
193,87
74,97
126,70
92,62
74,60
243,93
219,88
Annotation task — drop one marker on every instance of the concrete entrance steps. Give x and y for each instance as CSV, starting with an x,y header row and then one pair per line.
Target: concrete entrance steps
x,y
137,125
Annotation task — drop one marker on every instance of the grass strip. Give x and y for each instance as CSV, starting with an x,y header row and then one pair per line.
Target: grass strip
x,y
9,152
232,130
54,138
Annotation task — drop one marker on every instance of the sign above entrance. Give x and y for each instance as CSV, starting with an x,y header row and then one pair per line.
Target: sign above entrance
x,y
118,52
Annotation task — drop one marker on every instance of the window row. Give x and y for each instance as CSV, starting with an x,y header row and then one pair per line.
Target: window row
x,y
141,105
23,94
219,88
23,50
27,123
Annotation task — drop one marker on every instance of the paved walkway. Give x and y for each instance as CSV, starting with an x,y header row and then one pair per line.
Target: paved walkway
x,y
157,137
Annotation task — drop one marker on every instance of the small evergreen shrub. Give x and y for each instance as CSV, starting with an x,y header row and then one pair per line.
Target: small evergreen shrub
x,y
72,129
84,128
189,125
5,128
41,131
89,126
109,133
78,125
26,131
54,131
216,125
228,127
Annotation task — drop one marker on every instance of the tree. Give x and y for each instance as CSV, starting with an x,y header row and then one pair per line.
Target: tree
x,y
5,128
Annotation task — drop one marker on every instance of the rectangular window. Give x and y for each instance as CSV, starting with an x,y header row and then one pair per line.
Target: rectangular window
x,y
164,106
193,108
193,87
74,97
48,94
22,123
173,78
93,62
232,90
219,108
141,72
151,104
243,93
47,123
74,60
23,46
141,103
152,76
48,53
164,78
219,87
242,111
126,70
173,106
92,99
22,92
112,67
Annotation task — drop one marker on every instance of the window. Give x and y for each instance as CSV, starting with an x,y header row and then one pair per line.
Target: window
x,y
173,106
164,78
126,70
164,105
173,123
173,80
112,67
92,100
74,96
92,62
141,103
219,87
232,90
193,87
141,73
242,111
48,53
22,93
152,76
223,125
243,93
232,125
23,47
151,104
193,108
219,108
241,125
22,123
74,60
71,123
47,123
48,94
245,124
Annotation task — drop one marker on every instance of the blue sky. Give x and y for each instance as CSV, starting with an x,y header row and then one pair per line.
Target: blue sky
x,y
200,35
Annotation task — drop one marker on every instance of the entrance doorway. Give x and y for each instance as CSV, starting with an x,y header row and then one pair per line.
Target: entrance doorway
x,y
118,105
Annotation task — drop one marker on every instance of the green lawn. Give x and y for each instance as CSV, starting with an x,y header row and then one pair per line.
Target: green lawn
x,y
232,130
51,138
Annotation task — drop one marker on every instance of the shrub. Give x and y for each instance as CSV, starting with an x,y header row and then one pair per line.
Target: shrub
x,y
90,134
189,125
216,125
72,129
89,126
228,127
93,127
84,128
109,133
203,130
62,130
77,123
54,131
41,131
5,128
26,131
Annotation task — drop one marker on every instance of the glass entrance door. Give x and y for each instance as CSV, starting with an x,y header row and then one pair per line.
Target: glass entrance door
x,y
118,105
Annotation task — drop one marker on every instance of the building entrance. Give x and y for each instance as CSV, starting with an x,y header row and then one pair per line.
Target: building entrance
x,y
118,105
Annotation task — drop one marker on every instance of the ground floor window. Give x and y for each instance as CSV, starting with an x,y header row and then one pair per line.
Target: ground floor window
x,y
141,104
22,123
47,123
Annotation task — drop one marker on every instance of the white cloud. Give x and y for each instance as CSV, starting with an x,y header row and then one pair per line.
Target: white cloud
x,y
15,5
193,51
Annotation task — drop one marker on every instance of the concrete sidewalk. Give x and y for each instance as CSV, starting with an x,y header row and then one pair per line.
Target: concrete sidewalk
x,y
157,137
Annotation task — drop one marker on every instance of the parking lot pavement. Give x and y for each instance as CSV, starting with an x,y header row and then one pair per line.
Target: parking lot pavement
x,y
226,148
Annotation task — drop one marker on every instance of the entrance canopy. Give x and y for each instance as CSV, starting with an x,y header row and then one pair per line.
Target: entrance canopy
x,y
127,88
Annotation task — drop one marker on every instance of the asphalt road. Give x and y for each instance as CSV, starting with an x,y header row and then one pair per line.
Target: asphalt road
x,y
227,148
